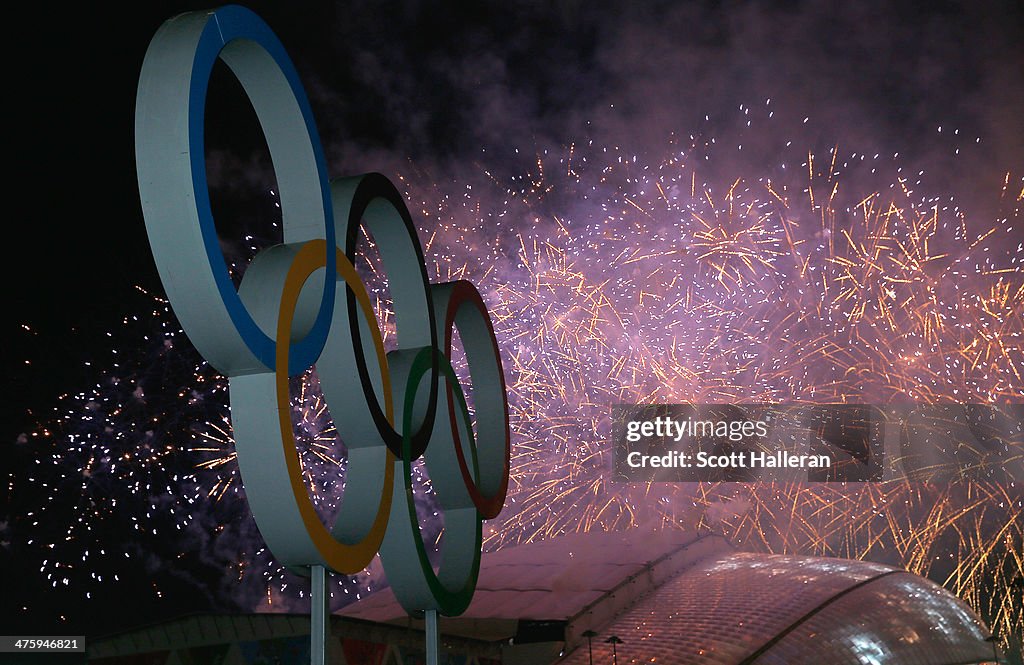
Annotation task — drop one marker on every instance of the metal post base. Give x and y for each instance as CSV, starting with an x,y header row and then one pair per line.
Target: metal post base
x,y
431,630
319,628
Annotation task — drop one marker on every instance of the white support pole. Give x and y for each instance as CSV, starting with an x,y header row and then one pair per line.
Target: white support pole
x,y
318,615
431,629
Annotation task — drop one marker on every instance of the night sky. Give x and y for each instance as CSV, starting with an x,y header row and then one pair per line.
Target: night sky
x,y
401,82
410,87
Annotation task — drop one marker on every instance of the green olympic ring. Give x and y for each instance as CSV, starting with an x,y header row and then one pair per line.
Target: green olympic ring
x,y
302,304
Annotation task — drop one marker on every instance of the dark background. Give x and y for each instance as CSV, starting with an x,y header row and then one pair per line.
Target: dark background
x,y
404,82
78,244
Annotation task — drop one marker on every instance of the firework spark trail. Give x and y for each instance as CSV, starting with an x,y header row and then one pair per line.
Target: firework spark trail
x,y
147,452
658,289
610,280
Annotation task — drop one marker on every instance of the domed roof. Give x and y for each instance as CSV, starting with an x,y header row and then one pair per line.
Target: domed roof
x,y
757,609
897,618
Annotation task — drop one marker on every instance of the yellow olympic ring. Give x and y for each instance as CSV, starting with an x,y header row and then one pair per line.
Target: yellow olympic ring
x,y
338,556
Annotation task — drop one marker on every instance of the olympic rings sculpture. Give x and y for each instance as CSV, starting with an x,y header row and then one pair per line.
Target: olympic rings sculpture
x,y
302,303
